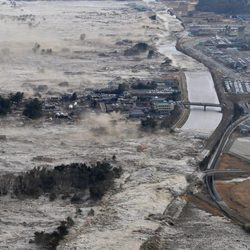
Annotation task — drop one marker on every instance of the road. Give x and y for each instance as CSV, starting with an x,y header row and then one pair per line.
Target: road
x,y
209,178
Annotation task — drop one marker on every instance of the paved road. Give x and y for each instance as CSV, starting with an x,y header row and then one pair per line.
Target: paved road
x,y
209,178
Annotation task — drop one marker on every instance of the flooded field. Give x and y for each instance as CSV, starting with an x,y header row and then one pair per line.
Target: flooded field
x,y
82,43
84,40
149,181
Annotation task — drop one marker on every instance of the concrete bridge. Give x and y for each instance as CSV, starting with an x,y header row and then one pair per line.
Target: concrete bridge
x,y
201,104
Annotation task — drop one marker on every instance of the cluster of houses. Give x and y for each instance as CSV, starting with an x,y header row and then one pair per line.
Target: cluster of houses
x,y
141,99
156,99
67,106
237,86
227,52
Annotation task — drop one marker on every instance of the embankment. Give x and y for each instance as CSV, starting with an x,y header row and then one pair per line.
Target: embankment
x,y
227,109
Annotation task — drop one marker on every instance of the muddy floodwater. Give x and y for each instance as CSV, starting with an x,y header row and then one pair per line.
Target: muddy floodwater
x,y
87,41
83,37
78,61
200,84
83,43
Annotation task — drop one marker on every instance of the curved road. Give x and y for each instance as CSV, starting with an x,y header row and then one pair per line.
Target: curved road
x,y
209,178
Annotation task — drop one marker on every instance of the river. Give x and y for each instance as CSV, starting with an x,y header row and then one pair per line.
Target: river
x,y
200,84
200,87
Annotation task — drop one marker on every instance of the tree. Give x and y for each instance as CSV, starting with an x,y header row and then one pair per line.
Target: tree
x,y
175,96
148,123
73,97
238,111
5,106
33,109
121,88
16,98
142,85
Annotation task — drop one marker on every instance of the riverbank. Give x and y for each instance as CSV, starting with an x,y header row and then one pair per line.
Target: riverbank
x,y
185,46
199,86
184,97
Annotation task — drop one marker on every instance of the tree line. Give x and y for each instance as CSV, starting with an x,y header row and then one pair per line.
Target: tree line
x,y
32,108
71,181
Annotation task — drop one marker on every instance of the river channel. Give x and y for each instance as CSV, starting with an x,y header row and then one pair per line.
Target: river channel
x,y
200,84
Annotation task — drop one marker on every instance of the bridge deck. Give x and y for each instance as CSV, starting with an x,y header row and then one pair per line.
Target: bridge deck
x,y
201,104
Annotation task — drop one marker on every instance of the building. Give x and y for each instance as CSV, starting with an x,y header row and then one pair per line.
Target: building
x,y
161,105
166,92
245,105
136,113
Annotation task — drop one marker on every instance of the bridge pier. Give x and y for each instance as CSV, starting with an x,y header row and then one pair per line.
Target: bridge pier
x,y
205,108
